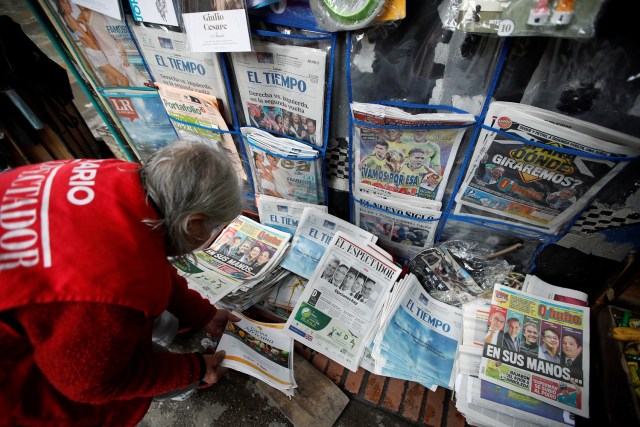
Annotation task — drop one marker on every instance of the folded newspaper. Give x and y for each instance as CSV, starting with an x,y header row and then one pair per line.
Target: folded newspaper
x,y
282,214
338,309
314,234
284,168
553,368
542,186
261,350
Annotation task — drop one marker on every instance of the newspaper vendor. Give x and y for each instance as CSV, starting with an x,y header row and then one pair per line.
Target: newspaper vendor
x,y
85,283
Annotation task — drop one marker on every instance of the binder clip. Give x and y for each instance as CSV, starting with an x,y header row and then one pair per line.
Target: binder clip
x,y
540,14
563,12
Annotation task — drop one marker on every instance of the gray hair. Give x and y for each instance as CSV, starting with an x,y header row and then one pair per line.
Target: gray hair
x,y
186,178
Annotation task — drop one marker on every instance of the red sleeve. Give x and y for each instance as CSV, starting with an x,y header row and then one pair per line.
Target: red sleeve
x,y
96,353
193,311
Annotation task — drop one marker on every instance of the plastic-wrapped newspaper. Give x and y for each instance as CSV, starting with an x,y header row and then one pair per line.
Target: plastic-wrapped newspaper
x,y
339,306
282,214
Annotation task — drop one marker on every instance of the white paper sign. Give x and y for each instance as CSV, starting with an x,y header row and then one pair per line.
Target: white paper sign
x,y
218,31
161,12
106,7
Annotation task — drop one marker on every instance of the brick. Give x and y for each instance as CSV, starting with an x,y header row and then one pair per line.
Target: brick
x,y
303,351
373,391
454,418
354,381
413,401
335,372
393,395
435,407
320,361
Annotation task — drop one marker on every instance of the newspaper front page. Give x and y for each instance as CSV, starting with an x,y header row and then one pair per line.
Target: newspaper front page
x,y
552,367
282,214
261,350
170,60
282,89
339,306
514,181
420,335
244,249
207,282
314,234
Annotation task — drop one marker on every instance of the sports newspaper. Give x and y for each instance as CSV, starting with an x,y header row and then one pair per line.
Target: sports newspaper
x,y
282,89
341,302
547,376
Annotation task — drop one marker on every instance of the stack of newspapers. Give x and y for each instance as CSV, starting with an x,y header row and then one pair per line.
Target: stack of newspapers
x,y
402,164
539,168
524,357
284,168
282,214
261,350
240,266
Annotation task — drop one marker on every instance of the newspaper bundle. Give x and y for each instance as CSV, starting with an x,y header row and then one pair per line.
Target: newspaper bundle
x,y
208,282
284,168
538,186
287,292
282,89
550,361
313,236
171,61
282,214
261,350
339,306
195,117
419,337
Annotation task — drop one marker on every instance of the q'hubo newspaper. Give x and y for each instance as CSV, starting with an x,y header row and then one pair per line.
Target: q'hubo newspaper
x,y
245,249
314,234
342,300
261,350
170,61
405,162
195,117
282,89
106,44
554,368
419,337
402,228
284,168
515,181
282,214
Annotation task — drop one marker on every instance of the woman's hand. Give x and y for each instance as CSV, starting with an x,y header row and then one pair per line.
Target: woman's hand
x,y
216,326
214,371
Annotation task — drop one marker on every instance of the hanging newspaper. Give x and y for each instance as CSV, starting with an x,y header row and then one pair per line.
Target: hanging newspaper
x,y
170,61
245,249
282,89
514,181
284,168
196,118
281,214
261,350
403,229
314,234
556,368
338,308
419,337
207,282
405,163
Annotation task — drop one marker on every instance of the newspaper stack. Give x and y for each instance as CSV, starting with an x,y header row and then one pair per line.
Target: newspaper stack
x,y
284,168
418,337
542,186
244,255
261,350
313,236
282,214
401,173
337,312
504,399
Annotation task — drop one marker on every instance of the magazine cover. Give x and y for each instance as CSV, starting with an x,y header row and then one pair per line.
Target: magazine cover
x,y
282,214
105,43
261,350
196,118
314,234
339,306
538,347
143,116
511,180
170,61
410,162
161,12
282,89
